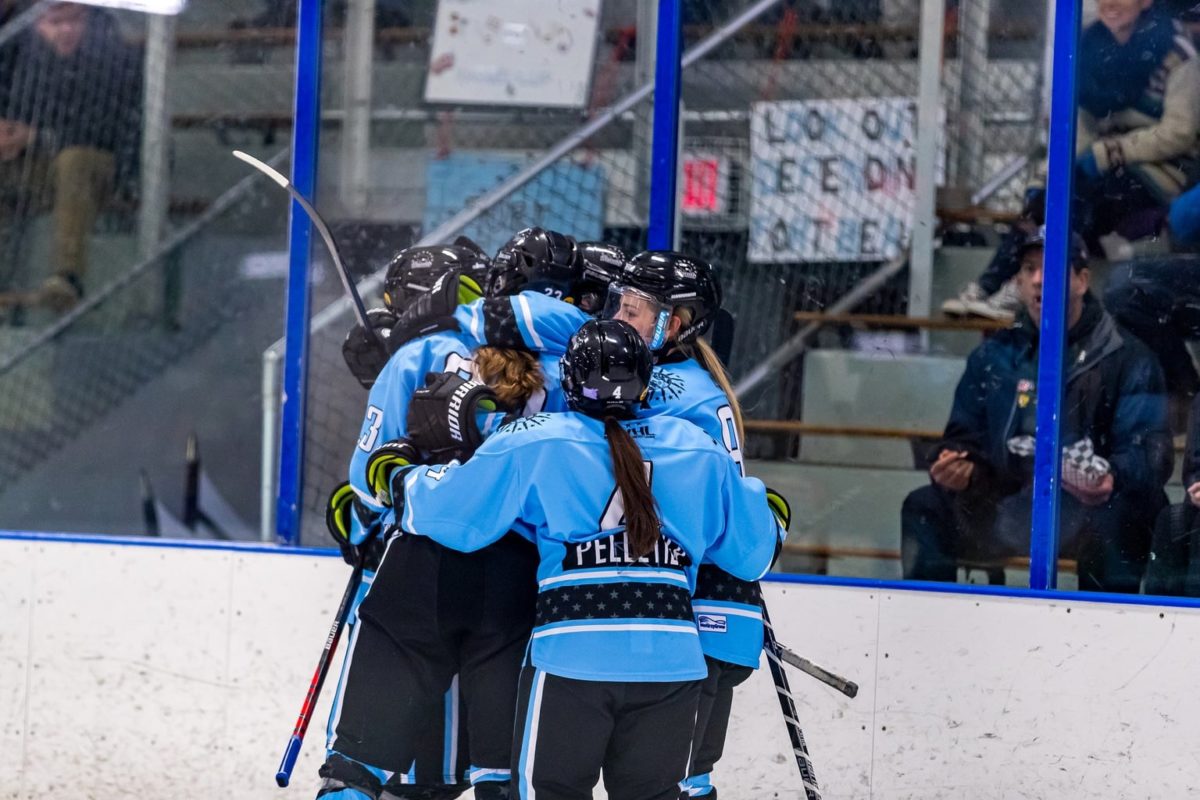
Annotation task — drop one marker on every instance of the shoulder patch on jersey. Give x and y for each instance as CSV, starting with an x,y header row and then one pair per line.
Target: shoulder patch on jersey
x,y
666,385
525,423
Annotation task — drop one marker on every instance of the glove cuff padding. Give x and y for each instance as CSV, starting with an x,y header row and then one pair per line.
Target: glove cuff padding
x,y
383,461
364,353
444,416
337,511
780,508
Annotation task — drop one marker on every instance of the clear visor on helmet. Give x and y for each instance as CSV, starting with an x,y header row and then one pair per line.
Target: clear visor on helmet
x,y
648,316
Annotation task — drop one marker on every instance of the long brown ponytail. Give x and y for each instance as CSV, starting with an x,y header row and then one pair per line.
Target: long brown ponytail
x,y
642,528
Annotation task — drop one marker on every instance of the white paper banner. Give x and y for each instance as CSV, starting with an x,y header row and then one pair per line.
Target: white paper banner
x,y
832,180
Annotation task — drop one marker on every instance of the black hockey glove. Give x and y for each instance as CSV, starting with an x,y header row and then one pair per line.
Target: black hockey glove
x,y
388,459
449,418
434,311
364,354
342,504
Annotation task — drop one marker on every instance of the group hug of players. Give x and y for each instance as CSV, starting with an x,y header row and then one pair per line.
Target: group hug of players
x,y
561,549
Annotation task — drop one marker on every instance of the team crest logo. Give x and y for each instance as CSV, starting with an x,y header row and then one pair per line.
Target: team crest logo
x,y
666,386
525,423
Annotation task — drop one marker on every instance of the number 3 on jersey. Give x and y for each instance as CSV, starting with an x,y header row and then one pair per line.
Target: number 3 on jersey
x,y
729,437
614,511
366,442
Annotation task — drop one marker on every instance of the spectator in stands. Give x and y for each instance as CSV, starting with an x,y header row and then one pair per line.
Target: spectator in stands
x,y
69,123
1175,550
977,507
1139,117
1139,123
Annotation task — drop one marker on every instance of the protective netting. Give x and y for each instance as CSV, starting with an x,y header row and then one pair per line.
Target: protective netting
x,y
125,203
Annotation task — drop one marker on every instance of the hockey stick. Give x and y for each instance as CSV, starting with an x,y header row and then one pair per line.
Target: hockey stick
x,y
848,688
787,705
360,311
284,774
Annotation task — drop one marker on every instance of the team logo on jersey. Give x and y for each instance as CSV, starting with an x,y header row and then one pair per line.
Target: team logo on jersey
x,y
639,431
712,623
525,423
614,551
666,386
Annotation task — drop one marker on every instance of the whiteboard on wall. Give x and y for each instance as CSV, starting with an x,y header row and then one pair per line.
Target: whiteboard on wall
x,y
513,52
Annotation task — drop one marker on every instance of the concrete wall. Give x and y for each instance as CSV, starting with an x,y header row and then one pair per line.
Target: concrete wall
x,y
157,672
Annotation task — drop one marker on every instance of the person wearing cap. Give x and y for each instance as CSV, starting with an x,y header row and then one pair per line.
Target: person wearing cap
x,y
1117,454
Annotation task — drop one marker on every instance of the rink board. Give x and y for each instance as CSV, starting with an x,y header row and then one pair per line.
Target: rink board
x,y
164,672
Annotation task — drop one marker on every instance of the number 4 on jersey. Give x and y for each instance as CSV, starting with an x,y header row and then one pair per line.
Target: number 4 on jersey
x,y
614,510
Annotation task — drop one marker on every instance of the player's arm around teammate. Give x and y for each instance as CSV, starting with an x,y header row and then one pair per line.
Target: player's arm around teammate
x,y
622,511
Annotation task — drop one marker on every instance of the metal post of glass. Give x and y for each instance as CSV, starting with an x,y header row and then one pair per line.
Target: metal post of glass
x,y
306,114
664,162
1043,548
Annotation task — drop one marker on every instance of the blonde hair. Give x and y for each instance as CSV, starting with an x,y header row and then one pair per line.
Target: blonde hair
x,y
702,351
513,374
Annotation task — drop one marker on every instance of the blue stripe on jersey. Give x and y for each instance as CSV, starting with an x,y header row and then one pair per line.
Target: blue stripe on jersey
x,y
602,576
669,650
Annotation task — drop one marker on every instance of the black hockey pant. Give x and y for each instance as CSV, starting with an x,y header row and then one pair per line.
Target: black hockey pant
x,y
568,731
712,723
433,613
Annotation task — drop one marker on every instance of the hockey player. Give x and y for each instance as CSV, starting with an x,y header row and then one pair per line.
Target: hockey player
x,y
409,276
359,762
623,510
671,299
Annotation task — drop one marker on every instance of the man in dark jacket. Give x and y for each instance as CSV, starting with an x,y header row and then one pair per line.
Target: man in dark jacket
x,y
70,102
978,504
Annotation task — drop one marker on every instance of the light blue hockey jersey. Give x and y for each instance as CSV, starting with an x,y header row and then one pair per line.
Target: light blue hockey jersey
x,y
538,322
387,406
386,417
602,616
728,611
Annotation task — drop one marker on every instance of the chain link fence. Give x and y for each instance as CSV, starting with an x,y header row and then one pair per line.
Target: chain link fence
x,y
127,192
792,58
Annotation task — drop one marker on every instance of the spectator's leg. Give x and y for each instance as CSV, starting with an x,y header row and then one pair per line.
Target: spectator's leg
x,y
1115,545
928,535
1004,264
24,191
83,181
1170,550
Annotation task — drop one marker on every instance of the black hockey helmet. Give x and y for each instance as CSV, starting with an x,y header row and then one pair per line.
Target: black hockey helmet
x,y
602,264
535,260
606,369
414,270
656,284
